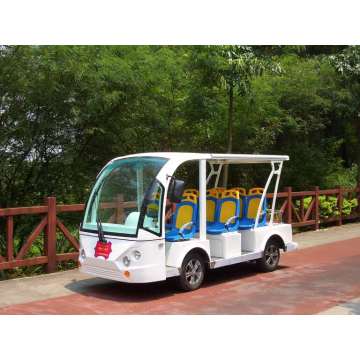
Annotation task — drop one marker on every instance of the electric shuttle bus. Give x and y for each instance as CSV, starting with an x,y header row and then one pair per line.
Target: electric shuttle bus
x,y
142,225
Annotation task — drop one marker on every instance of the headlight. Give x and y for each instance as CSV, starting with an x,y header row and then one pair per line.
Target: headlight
x,y
82,254
137,254
126,260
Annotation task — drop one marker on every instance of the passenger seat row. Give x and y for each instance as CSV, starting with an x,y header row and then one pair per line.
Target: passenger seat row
x,y
226,210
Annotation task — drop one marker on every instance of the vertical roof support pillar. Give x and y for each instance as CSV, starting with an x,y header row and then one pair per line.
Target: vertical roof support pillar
x,y
202,199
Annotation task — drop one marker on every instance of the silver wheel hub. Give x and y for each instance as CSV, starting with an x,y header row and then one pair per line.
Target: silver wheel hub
x,y
271,255
193,271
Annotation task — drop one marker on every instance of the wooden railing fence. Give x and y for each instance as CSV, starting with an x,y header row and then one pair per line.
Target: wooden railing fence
x,y
300,216
296,214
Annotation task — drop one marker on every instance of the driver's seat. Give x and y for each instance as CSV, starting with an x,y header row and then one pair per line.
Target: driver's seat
x,y
183,222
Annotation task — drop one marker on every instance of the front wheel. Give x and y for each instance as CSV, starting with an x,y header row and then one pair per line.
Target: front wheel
x,y
270,259
192,272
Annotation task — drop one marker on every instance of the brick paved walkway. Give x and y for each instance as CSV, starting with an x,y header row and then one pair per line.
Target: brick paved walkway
x,y
312,280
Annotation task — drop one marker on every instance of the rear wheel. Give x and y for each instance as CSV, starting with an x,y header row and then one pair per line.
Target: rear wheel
x,y
270,259
192,272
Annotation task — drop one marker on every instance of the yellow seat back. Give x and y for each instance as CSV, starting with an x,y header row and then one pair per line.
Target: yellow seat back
x,y
211,204
184,215
228,207
227,210
185,212
253,206
210,210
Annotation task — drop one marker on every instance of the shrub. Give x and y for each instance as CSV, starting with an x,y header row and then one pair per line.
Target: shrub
x,y
328,205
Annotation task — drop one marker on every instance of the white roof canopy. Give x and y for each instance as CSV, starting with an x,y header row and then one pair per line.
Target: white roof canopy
x,y
217,158
246,158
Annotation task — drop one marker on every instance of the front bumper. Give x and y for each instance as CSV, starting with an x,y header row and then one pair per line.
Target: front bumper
x,y
149,267
114,270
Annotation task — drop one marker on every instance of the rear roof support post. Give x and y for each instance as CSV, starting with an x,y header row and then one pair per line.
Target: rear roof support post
x,y
278,174
218,175
202,199
264,195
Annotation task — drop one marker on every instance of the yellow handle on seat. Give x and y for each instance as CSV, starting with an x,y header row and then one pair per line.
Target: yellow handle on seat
x,y
241,190
256,191
191,192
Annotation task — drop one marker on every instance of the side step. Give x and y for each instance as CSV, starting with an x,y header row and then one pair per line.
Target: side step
x,y
246,256
220,262
172,271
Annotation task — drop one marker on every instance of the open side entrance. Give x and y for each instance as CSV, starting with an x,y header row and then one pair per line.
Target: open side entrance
x,y
236,236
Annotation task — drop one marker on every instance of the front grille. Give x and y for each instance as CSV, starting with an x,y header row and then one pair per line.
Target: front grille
x,y
101,272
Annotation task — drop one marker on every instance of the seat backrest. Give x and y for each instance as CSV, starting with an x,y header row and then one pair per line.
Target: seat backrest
x,y
228,206
241,190
253,202
211,209
153,208
256,191
153,205
186,211
212,196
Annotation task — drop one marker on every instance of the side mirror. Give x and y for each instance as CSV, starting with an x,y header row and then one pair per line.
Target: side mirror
x,y
176,189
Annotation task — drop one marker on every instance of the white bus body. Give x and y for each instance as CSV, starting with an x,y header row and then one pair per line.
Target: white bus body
x,y
140,252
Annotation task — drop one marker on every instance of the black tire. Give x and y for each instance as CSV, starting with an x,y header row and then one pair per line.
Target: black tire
x,y
271,257
192,272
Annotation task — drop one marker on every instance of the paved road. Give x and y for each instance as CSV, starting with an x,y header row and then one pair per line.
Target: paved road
x,y
318,279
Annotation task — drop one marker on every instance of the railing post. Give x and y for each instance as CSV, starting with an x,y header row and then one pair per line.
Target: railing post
x,y
119,211
340,204
358,198
302,210
288,205
317,208
50,235
10,237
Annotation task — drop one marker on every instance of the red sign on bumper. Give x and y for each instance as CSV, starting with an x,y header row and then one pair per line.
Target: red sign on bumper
x,y
103,249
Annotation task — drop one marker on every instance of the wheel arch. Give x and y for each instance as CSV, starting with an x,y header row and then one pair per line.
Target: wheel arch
x,y
278,240
202,253
176,252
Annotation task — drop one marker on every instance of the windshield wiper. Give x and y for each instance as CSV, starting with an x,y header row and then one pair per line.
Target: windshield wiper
x,y
100,231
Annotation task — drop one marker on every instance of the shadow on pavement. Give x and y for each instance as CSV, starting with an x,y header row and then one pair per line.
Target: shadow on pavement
x,y
136,293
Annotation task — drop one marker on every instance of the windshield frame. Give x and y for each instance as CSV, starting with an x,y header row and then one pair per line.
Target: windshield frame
x,y
140,223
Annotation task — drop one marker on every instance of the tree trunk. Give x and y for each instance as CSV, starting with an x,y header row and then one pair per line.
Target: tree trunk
x,y
229,132
358,152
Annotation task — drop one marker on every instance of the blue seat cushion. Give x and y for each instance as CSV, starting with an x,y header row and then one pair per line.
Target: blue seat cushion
x,y
249,225
220,228
246,226
173,235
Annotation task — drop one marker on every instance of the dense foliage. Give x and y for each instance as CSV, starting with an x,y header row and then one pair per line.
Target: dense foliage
x,y
66,110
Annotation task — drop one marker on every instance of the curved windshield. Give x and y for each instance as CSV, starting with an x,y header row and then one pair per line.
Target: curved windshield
x,y
118,195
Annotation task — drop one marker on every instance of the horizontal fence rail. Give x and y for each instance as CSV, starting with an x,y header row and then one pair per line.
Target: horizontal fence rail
x,y
299,208
49,226
291,205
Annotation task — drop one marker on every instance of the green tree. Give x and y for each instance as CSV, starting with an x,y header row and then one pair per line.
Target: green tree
x,y
347,64
234,67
